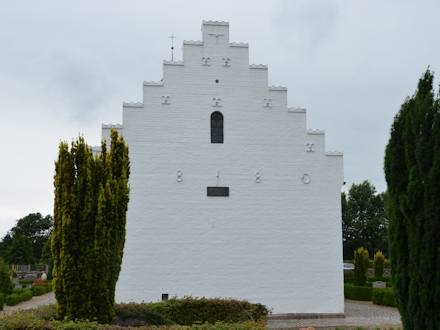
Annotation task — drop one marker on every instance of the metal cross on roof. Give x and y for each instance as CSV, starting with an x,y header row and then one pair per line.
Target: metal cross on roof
x,y
172,46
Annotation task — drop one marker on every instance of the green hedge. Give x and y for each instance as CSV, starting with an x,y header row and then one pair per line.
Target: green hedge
x,y
143,312
384,297
16,298
38,290
188,310
42,318
382,279
355,292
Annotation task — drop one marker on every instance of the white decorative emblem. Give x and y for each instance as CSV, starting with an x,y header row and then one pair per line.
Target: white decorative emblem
x,y
306,178
179,176
257,177
226,61
216,102
206,61
310,147
267,103
166,99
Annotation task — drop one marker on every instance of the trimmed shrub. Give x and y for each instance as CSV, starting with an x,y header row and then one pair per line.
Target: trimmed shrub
x,y
379,261
143,312
17,298
360,269
42,318
355,292
188,310
49,286
348,280
384,297
38,290
382,279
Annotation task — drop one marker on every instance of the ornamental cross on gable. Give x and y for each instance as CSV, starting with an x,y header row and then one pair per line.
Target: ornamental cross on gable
x,y
216,35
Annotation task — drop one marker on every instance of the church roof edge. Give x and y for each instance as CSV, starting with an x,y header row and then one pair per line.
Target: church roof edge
x,y
153,83
215,23
165,62
315,132
297,110
277,88
192,42
258,66
133,105
111,126
239,44
334,153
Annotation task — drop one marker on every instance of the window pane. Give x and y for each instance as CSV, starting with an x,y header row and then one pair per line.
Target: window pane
x,y
216,127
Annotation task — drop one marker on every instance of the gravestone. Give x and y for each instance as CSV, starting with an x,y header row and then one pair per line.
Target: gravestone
x,y
30,277
379,285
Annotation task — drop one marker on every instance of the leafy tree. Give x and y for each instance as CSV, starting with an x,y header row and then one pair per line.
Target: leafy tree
x,y
91,197
5,243
364,221
20,251
33,226
37,228
412,172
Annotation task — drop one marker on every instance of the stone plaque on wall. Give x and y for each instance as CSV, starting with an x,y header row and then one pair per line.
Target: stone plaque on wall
x,y
218,191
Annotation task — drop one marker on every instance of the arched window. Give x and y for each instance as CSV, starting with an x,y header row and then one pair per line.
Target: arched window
x,y
216,127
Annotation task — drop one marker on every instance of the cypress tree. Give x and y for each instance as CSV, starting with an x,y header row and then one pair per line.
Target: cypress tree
x,y
379,261
360,269
412,172
91,197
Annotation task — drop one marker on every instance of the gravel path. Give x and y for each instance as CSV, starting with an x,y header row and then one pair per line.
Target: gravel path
x,y
357,314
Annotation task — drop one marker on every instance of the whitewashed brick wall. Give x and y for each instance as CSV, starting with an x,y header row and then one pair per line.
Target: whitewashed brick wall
x,y
277,242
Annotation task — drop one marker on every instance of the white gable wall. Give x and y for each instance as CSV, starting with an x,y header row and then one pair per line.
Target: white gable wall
x,y
277,242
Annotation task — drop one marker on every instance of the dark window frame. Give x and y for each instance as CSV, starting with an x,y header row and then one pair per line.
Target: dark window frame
x,y
217,127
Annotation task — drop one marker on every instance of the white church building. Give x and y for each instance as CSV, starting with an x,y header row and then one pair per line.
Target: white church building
x,y
230,195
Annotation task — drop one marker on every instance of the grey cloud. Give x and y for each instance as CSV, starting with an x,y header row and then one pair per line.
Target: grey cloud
x,y
305,24
75,80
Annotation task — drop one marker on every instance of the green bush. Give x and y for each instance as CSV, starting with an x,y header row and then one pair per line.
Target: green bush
x,y
355,292
49,286
187,310
379,261
143,312
17,298
382,279
38,290
384,297
42,318
2,301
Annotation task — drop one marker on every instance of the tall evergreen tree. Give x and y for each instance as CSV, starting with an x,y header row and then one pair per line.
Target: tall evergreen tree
x,y
412,171
91,197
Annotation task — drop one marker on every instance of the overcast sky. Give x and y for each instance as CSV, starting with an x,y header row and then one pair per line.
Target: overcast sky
x,y
66,68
